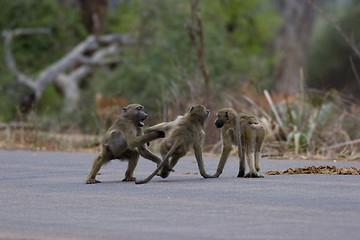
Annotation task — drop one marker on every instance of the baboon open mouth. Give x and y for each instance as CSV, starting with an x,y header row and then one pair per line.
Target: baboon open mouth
x,y
141,122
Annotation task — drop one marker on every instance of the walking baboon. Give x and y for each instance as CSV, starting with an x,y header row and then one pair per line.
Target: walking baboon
x,y
247,133
124,140
185,132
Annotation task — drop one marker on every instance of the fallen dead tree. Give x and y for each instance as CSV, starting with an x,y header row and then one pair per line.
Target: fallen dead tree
x,y
68,71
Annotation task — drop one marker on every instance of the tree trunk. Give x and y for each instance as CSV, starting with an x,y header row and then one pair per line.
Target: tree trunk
x,y
292,42
196,34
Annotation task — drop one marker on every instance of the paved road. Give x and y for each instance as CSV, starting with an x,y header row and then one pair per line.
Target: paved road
x,y
43,196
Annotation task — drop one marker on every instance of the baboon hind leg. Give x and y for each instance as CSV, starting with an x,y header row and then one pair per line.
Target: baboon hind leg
x,y
251,162
175,159
242,165
165,171
165,158
258,147
133,160
257,161
98,162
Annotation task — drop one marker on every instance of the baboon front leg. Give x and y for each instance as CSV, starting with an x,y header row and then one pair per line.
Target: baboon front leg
x,y
131,167
242,165
98,162
200,162
144,152
143,139
224,156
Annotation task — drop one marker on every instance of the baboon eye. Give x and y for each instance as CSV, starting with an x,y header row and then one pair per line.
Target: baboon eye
x,y
138,108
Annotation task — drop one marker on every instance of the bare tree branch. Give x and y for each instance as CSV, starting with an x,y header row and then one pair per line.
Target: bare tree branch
x,y
71,68
26,31
199,44
11,63
91,62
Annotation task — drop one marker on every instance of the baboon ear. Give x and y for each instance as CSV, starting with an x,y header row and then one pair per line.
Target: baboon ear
x,y
227,115
124,111
192,107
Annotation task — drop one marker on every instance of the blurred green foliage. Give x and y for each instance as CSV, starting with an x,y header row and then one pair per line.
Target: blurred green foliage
x,y
237,36
162,66
35,52
328,59
238,48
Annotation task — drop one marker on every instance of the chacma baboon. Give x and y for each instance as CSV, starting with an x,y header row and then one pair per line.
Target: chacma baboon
x,y
247,133
184,133
125,140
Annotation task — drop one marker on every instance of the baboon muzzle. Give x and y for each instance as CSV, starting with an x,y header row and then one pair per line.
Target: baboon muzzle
x,y
218,124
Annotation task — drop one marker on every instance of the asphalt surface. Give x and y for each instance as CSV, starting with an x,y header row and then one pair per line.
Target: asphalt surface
x,y
43,196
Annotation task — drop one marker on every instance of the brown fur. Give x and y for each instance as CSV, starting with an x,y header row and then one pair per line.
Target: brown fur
x,y
181,135
125,140
247,133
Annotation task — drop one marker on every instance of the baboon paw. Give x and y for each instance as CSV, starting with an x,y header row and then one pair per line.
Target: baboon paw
x,y
214,176
129,179
241,174
92,181
164,174
253,175
205,175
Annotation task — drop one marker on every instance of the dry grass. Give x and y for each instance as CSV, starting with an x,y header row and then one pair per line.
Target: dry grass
x,y
22,136
316,125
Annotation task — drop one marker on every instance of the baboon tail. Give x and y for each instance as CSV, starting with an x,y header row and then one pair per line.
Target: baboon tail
x,y
238,134
170,153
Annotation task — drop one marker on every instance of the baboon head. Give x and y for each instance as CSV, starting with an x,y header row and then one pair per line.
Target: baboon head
x,y
225,116
199,112
135,112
